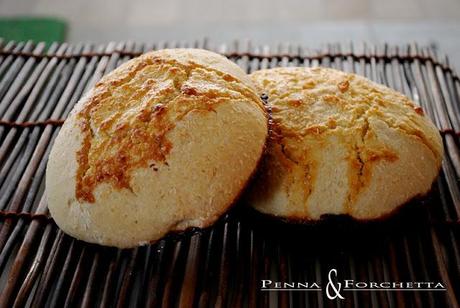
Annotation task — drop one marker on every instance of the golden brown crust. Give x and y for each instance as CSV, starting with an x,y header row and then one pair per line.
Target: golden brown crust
x,y
121,135
340,126
164,143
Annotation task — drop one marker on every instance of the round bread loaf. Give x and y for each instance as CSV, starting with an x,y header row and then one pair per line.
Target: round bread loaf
x,y
165,142
341,145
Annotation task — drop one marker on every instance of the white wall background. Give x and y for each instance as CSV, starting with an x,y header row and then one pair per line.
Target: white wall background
x,y
308,22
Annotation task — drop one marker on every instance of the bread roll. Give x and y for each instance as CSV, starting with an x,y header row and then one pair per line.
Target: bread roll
x,y
165,142
342,145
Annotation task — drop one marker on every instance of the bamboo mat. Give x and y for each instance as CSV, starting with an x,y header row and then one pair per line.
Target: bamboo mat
x,y
221,266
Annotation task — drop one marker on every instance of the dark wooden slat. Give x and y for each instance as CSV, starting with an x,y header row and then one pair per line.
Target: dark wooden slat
x,y
58,291
71,296
7,49
62,101
123,296
44,81
8,86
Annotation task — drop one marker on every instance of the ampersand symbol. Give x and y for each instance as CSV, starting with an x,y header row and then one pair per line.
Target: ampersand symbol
x,y
332,287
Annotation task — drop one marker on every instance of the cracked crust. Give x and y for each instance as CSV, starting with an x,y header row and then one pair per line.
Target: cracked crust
x,y
342,145
163,143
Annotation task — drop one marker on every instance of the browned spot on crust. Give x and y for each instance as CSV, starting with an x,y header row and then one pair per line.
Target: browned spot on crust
x,y
295,102
189,91
126,121
228,78
145,115
331,99
309,85
419,110
343,86
332,123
